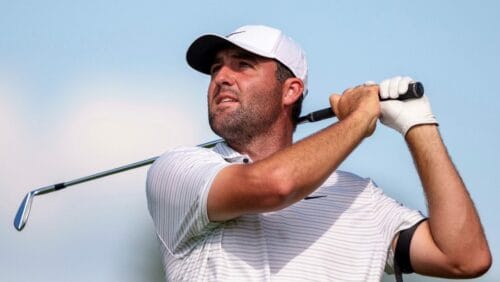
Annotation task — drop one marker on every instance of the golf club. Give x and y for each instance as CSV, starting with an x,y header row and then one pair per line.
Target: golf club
x,y
415,90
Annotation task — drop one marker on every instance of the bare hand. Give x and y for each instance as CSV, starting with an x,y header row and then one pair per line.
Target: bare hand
x,y
362,100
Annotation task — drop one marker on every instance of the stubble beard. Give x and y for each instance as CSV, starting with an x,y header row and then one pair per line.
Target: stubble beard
x,y
249,120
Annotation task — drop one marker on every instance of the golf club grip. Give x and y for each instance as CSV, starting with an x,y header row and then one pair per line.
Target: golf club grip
x,y
415,90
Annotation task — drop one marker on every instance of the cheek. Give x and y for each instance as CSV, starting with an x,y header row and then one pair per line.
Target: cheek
x,y
210,90
268,98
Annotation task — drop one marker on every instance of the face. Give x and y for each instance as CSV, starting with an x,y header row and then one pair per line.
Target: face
x,y
244,97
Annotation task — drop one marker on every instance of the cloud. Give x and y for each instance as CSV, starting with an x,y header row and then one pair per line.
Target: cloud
x,y
109,130
96,131
111,121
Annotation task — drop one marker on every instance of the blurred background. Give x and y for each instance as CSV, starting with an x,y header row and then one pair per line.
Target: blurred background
x,y
87,86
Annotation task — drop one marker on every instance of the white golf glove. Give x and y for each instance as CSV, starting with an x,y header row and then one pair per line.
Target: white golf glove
x,y
403,115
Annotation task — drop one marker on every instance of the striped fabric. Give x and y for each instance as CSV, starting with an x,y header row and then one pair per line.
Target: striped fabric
x,y
341,232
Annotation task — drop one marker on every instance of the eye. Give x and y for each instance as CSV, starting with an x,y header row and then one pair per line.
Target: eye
x,y
214,68
245,64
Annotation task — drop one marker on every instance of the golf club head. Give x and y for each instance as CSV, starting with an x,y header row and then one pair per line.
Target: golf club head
x,y
23,212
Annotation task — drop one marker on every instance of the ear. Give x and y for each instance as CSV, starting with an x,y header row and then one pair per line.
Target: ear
x,y
292,90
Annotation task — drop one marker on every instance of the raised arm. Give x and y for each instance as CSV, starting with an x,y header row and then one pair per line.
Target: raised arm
x,y
452,242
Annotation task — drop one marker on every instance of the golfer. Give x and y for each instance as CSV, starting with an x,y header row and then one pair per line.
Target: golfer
x,y
261,208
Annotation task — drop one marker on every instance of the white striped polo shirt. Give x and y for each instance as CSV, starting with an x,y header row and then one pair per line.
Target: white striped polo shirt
x,y
341,232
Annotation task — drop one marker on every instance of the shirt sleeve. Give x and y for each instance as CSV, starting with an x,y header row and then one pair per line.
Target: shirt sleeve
x,y
177,189
392,217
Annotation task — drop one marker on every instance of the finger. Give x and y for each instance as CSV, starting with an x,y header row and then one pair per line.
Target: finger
x,y
384,89
393,87
347,90
369,83
334,102
403,84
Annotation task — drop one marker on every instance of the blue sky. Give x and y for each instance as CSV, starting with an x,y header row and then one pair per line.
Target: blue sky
x,y
91,85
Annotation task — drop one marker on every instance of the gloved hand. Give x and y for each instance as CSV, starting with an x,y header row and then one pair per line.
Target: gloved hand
x,y
403,115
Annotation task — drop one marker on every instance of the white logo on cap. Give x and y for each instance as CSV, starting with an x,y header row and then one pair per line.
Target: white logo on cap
x,y
236,32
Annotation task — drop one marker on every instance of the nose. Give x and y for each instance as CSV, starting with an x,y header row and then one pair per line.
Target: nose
x,y
224,76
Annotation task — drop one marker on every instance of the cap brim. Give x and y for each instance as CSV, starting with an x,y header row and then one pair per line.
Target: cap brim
x,y
201,53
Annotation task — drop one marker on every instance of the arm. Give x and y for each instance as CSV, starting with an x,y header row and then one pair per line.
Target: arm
x,y
294,172
451,243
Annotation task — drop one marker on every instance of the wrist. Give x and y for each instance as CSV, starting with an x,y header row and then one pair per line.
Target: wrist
x,y
422,132
364,121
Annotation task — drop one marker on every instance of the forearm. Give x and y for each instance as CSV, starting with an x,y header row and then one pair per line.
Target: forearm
x,y
453,220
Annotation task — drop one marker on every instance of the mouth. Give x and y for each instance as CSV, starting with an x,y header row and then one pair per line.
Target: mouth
x,y
225,100
225,97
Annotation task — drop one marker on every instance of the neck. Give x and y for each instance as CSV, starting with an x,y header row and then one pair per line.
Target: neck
x,y
261,146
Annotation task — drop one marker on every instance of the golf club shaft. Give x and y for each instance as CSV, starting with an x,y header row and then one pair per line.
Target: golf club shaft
x,y
415,90
145,162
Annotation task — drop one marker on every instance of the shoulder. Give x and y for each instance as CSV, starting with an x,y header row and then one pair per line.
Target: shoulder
x,y
351,186
347,189
187,154
184,166
356,183
343,178
180,157
346,175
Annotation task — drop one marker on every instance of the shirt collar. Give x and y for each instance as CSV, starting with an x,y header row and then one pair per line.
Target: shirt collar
x,y
229,154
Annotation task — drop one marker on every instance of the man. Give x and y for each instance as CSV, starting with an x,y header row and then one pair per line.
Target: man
x,y
258,207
